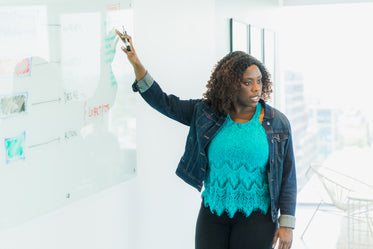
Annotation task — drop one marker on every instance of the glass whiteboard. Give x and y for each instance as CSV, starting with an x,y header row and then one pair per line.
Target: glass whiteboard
x,y
67,118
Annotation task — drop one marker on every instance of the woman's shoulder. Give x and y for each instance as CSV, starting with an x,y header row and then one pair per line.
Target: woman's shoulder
x,y
202,105
276,115
204,109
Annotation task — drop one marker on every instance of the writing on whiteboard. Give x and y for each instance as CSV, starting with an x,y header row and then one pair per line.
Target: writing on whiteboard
x,y
71,96
98,111
114,6
70,134
17,67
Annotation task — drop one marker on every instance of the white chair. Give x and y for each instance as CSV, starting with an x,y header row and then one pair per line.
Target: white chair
x,y
360,221
339,188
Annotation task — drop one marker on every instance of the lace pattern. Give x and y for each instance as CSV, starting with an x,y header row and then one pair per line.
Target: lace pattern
x,y
236,179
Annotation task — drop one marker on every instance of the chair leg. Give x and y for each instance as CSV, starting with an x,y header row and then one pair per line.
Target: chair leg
x,y
309,222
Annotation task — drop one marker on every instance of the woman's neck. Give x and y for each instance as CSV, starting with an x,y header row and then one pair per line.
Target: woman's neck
x,y
242,115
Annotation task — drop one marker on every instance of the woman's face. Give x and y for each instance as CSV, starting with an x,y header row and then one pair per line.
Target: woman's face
x,y
251,87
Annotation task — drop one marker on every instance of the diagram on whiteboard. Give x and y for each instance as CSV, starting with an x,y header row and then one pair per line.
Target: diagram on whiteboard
x,y
13,105
15,148
67,118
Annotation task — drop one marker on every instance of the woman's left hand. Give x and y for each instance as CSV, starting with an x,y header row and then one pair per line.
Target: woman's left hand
x,y
286,238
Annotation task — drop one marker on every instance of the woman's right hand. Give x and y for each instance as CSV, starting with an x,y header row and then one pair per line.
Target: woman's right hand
x,y
140,71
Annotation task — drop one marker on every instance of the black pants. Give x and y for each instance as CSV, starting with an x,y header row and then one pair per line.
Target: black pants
x,y
240,232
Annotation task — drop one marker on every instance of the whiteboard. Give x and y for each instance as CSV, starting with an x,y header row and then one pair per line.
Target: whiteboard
x,y
67,118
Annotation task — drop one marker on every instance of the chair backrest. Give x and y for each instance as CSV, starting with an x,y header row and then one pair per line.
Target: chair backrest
x,y
338,185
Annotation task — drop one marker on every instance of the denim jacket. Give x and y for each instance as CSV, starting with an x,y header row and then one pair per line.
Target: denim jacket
x,y
204,123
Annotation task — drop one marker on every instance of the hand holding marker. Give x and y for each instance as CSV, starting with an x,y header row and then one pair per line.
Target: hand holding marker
x,y
125,40
140,71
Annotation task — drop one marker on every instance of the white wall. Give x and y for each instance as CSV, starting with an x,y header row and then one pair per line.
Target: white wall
x,y
178,42
169,42
260,13
318,2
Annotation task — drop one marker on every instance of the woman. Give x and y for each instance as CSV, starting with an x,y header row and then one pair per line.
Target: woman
x,y
239,147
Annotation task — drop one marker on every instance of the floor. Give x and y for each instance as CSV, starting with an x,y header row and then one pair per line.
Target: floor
x,y
326,231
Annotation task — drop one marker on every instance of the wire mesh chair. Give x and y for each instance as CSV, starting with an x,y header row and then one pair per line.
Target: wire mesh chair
x,y
360,221
340,188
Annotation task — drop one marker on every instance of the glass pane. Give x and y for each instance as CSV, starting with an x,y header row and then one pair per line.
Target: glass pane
x,y
67,119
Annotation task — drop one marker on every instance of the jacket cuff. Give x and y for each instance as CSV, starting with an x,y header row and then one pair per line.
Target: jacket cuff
x,y
145,83
287,221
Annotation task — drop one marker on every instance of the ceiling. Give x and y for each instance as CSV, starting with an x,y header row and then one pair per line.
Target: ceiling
x,y
317,2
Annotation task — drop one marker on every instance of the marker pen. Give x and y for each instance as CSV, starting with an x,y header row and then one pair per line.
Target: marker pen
x,y
126,42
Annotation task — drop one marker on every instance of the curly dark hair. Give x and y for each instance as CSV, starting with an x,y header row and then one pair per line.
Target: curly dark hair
x,y
226,78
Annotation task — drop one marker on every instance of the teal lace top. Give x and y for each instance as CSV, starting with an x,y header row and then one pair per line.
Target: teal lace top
x,y
236,178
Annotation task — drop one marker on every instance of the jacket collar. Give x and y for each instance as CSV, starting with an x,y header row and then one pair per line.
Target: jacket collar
x,y
214,116
268,110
